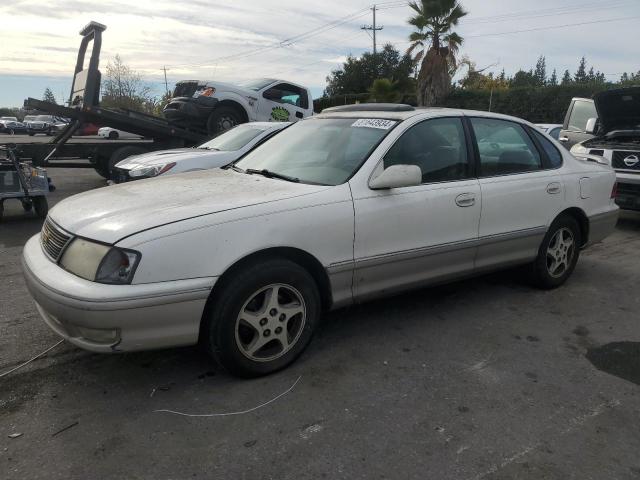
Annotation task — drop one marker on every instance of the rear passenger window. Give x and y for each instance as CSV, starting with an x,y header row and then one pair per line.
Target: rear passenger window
x,y
554,156
436,146
505,148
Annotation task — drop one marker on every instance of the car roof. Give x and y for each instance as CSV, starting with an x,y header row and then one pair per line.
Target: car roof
x,y
426,112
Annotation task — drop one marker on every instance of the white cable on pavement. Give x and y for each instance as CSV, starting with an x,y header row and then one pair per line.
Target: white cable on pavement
x,y
29,361
233,413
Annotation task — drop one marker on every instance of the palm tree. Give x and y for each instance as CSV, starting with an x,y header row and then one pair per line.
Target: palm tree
x,y
437,46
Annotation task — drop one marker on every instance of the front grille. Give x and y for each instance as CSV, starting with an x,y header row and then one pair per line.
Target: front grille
x,y
53,239
619,158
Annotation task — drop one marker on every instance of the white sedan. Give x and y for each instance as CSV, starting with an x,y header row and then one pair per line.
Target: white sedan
x,y
352,204
115,134
217,152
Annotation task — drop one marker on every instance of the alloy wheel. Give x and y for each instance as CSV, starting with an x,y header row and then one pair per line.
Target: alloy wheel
x,y
560,252
270,322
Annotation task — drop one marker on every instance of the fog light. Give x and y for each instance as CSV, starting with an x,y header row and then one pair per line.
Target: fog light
x,y
98,335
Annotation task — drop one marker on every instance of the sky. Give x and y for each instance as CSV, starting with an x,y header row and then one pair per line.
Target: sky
x,y
227,41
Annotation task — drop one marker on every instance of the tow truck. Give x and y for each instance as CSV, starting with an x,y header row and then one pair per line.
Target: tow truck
x,y
84,107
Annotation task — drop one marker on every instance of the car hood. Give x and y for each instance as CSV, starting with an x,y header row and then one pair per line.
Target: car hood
x,y
618,110
166,156
111,213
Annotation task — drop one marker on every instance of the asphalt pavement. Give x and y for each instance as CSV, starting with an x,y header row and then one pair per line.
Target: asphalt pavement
x,y
482,379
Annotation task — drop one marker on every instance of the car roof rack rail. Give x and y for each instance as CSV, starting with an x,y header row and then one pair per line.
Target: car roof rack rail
x,y
371,107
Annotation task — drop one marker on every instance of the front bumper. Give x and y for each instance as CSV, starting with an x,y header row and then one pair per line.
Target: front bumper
x,y
114,318
190,109
628,197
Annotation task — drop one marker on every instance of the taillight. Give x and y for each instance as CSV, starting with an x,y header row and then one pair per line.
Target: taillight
x,y
614,190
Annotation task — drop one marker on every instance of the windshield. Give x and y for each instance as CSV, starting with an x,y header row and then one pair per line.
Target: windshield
x,y
257,84
234,139
326,151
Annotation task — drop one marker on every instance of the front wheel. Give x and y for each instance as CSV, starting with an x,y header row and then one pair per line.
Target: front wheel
x,y
558,253
222,119
263,318
41,206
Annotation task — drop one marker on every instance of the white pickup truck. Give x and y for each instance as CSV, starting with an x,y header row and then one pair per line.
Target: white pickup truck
x,y
216,106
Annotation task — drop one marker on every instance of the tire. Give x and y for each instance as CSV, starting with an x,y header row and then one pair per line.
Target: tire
x,y
222,119
27,206
558,254
113,135
40,206
49,133
31,134
296,313
1,210
119,155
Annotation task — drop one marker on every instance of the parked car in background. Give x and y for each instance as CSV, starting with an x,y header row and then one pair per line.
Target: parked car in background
x,y
42,124
115,134
5,120
551,129
220,151
87,129
216,106
574,130
12,128
352,204
615,132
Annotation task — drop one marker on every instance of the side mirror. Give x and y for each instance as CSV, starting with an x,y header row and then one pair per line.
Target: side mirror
x,y
592,126
397,176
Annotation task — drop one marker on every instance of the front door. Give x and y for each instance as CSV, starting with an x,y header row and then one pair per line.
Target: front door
x,y
406,237
521,192
283,102
575,124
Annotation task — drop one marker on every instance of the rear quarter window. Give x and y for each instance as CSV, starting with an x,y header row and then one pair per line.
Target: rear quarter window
x,y
553,154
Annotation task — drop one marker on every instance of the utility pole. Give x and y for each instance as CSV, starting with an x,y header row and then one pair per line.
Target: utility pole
x,y
166,85
373,28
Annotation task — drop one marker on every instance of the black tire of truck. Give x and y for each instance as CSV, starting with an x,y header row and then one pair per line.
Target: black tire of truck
x,y
224,118
41,206
119,155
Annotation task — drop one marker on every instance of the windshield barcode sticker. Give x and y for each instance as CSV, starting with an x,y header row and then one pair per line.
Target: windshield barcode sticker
x,y
374,123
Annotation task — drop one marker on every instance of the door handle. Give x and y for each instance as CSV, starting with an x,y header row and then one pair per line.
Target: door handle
x,y
466,200
554,188
299,114
563,139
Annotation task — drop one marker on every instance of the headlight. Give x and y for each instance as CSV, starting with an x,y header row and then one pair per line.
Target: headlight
x,y
145,171
578,149
100,263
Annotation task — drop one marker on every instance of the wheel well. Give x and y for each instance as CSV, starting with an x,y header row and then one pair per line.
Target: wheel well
x,y
582,220
236,106
302,258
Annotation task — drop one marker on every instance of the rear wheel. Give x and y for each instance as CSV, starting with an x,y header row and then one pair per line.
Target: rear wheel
x,y
558,253
113,135
262,318
222,119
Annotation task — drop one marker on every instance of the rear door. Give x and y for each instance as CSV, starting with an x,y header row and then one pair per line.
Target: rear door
x,y
522,191
283,102
575,123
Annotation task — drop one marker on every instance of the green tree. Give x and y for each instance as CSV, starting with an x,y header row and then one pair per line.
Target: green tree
x,y
48,96
384,90
540,73
436,45
524,79
356,75
581,74
566,78
553,80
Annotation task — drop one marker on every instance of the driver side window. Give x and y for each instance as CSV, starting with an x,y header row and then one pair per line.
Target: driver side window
x,y
437,146
290,94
